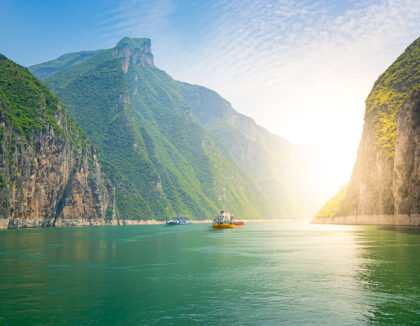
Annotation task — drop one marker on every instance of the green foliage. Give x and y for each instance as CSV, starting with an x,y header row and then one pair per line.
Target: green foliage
x,y
132,206
196,176
31,106
2,181
6,203
67,60
334,206
389,92
132,43
97,98
28,108
270,161
160,162
416,110
109,213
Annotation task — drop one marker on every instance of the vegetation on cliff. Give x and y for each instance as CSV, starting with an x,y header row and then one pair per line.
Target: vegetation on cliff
x,y
333,206
31,104
134,44
48,168
385,177
31,107
160,157
389,92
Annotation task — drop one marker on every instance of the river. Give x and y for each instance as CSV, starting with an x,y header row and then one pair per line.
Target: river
x,y
264,274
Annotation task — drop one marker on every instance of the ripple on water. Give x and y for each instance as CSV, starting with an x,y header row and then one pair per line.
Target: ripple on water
x,y
265,273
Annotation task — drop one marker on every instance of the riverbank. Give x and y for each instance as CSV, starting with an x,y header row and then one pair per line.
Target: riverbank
x,y
25,223
398,220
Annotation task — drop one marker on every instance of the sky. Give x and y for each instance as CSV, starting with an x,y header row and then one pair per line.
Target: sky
x,y
301,69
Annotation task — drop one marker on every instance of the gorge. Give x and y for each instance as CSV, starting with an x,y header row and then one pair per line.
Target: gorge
x,y
138,145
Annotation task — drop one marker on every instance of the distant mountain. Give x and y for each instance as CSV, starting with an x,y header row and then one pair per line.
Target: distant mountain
x,y
385,184
173,147
49,172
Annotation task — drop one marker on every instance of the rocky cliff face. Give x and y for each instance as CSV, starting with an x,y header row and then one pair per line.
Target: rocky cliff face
x,y
406,170
49,172
135,51
385,183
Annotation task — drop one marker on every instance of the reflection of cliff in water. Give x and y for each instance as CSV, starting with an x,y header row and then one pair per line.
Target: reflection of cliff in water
x,y
390,274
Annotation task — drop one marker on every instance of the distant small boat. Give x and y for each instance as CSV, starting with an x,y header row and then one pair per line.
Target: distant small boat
x,y
224,220
179,220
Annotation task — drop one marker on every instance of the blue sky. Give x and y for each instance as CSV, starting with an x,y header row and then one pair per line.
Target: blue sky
x,y
302,69
35,31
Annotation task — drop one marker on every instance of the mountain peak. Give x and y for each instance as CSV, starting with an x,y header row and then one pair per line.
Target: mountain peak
x,y
135,50
134,43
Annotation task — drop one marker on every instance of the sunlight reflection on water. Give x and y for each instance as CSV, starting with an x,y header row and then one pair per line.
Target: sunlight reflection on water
x,y
265,273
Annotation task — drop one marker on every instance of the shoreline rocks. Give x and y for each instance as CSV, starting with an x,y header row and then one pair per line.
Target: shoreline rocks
x,y
397,220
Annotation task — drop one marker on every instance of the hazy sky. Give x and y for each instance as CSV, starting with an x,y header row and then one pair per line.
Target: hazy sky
x,y
302,69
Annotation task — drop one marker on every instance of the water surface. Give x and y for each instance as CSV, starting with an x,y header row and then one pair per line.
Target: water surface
x,y
263,274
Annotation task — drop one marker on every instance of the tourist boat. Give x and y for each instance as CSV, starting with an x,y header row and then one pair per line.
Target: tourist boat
x,y
179,220
224,220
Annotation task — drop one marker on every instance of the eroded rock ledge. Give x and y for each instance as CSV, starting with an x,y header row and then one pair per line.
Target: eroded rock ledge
x,y
24,223
402,220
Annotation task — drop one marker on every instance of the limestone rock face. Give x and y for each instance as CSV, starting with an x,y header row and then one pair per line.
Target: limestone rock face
x,y
383,191
385,184
47,182
50,175
406,171
136,51
370,188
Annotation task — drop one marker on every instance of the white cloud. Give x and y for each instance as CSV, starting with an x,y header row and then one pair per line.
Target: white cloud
x,y
300,68
139,18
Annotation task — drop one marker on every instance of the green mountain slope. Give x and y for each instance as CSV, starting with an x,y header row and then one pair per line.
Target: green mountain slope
x,y
172,147
286,173
388,94
160,162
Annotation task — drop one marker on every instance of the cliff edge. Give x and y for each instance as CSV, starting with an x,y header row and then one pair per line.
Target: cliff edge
x,y
384,187
49,172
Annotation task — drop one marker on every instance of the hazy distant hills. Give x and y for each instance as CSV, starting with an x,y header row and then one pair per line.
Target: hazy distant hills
x,y
171,147
385,184
49,172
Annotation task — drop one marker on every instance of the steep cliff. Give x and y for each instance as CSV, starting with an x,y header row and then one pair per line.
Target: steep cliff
x,y
49,172
172,147
385,184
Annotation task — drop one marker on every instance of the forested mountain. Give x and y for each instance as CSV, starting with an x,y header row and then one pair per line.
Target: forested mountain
x,y
171,147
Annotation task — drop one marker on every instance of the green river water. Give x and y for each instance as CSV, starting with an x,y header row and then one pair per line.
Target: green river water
x,y
263,274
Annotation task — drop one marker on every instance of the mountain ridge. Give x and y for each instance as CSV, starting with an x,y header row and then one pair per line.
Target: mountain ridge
x,y
165,125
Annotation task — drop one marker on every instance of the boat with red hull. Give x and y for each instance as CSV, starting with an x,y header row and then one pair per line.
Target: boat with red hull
x,y
224,220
